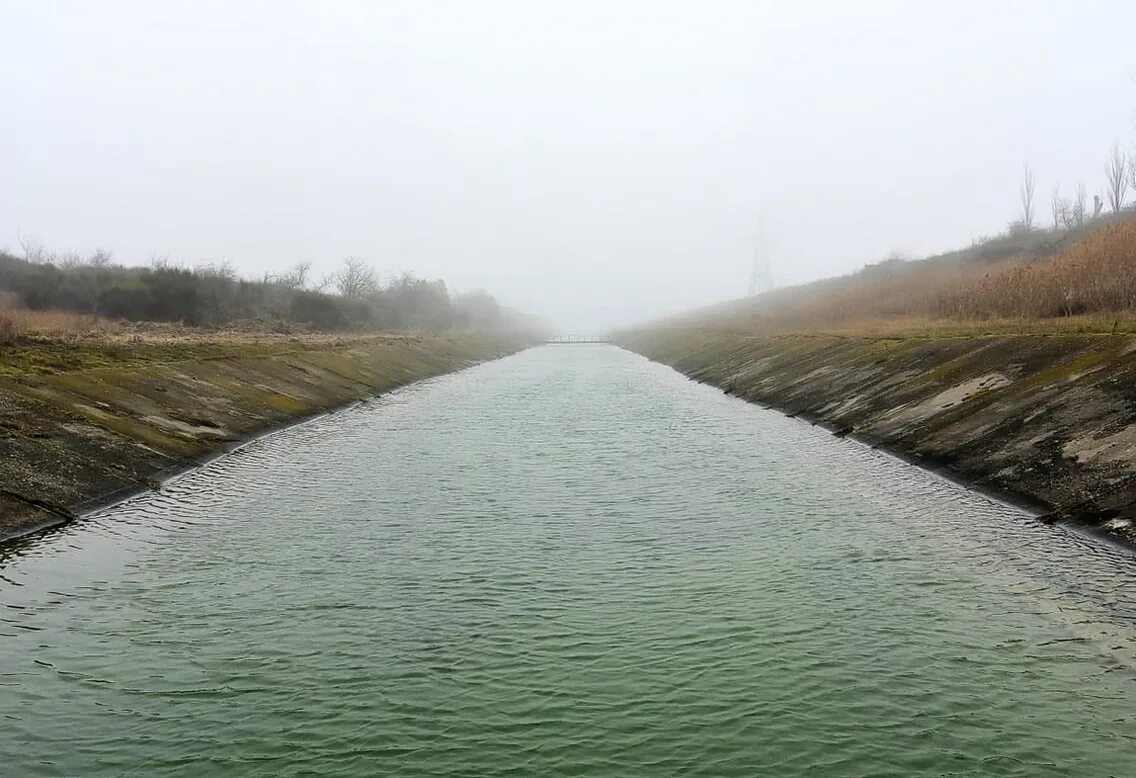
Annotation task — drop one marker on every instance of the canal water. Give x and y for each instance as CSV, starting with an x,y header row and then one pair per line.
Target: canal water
x,y
571,561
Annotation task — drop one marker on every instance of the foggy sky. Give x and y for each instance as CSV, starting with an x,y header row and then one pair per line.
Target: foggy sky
x,y
595,162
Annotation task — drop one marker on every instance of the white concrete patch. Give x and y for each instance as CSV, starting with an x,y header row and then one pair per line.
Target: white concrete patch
x,y
949,398
967,389
1117,447
839,409
186,429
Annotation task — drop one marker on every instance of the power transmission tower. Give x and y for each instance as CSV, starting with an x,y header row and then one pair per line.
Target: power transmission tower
x,y
761,277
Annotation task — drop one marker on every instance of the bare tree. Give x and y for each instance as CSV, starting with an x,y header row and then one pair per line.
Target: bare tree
x,y
69,260
1079,204
223,270
1026,192
300,275
100,258
356,279
1068,213
296,278
34,250
163,262
1065,211
1117,171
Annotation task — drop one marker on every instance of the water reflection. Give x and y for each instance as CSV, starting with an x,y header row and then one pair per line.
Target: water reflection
x,y
571,561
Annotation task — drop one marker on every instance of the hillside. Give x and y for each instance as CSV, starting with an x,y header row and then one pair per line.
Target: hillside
x,y
1079,278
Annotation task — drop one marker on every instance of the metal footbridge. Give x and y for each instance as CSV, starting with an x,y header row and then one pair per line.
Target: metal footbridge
x,y
576,339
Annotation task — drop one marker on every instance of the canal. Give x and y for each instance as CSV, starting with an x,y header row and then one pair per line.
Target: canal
x,y
571,561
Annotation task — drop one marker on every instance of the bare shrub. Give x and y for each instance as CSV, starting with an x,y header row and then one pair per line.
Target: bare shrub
x,y
100,258
1079,205
9,329
355,279
296,278
34,251
1017,228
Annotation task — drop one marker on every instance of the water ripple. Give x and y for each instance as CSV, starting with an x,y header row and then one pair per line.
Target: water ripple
x,y
568,562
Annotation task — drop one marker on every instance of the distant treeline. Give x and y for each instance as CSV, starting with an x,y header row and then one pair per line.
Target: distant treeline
x,y
352,298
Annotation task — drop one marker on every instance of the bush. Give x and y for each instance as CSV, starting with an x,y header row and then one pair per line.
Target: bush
x,y
213,295
318,310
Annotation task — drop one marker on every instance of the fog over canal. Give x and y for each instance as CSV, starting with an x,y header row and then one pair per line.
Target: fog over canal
x,y
571,561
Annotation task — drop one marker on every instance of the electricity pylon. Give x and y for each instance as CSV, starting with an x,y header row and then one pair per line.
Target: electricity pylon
x,y
761,277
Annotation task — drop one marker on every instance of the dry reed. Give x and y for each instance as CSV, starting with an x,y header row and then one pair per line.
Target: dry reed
x,y
1089,284
16,322
1095,275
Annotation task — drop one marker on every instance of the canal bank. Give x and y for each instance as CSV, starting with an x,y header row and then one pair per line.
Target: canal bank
x,y
570,562
1047,420
82,425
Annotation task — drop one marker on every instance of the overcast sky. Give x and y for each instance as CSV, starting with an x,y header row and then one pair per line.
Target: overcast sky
x,y
596,162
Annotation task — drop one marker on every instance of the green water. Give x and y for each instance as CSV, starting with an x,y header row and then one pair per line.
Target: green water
x,y
568,562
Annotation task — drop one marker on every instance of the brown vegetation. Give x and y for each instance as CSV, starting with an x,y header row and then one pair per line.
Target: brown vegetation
x,y
17,322
1095,275
1079,281
37,342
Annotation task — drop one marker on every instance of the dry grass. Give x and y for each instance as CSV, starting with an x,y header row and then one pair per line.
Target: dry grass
x,y
904,292
24,330
904,327
34,342
9,331
1089,286
1096,275
21,322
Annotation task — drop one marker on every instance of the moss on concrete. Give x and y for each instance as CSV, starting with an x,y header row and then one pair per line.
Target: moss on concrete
x,y
81,423
1049,419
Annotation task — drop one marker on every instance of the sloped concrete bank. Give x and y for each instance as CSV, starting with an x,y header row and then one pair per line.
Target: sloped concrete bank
x,y
1047,420
73,439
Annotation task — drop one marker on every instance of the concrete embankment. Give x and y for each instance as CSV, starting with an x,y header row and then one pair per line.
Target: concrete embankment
x,y
1048,420
82,426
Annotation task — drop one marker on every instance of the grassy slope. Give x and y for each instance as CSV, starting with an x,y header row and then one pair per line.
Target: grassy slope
x,y
1084,279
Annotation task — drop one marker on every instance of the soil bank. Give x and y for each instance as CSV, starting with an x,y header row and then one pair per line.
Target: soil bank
x,y
1049,420
83,425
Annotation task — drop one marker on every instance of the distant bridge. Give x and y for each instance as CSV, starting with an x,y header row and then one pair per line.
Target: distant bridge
x,y
566,339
